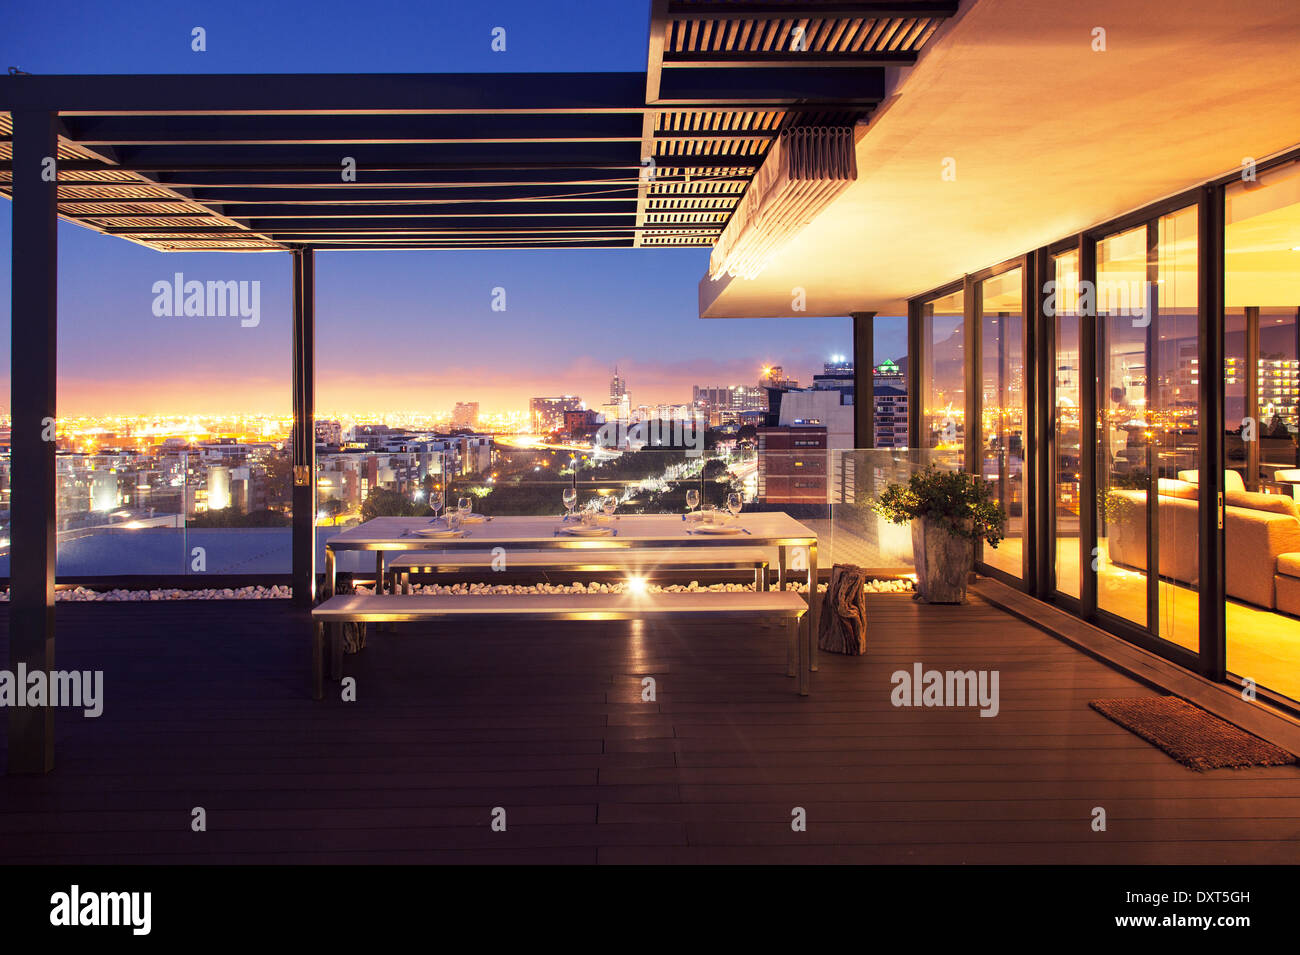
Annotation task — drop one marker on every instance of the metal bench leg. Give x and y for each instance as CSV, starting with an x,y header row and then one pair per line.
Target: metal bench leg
x,y
804,661
814,607
760,577
406,581
336,652
780,568
317,660
791,647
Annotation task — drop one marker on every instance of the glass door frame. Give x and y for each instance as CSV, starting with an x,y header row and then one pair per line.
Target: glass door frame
x,y
974,302
1046,464
1209,424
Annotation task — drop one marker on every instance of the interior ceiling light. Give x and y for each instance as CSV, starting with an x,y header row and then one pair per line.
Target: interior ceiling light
x,y
806,168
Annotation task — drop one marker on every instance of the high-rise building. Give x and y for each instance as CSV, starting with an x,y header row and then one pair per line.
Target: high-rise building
x,y
773,376
329,432
724,404
619,406
465,415
792,464
548,413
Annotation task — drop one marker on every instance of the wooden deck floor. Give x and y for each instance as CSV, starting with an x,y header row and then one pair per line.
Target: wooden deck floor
x,y
207,705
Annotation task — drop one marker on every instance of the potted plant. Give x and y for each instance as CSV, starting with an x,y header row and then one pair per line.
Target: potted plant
x,y
949,511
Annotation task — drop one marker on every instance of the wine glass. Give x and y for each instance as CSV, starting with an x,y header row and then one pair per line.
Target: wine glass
x,y
692,499
609,506
464,505
734,504
435,505
570,497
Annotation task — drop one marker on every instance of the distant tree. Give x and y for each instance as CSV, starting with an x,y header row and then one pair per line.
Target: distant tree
x,y
279,480
747,432
333,508
383,502
230,517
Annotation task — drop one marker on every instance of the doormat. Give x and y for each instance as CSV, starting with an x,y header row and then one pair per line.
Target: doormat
x,y
1194,737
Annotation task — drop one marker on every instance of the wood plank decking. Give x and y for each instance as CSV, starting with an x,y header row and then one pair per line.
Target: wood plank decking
x,y
208,705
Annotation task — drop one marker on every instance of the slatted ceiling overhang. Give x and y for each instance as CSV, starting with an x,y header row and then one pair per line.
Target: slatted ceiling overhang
x,y
500,161
757,41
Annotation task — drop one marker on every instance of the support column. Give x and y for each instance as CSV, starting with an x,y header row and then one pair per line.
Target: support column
x,y
864,380
1210,317
304,428
915,385
32,404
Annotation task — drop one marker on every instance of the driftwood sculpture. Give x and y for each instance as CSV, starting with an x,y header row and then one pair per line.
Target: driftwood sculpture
x,y
843,626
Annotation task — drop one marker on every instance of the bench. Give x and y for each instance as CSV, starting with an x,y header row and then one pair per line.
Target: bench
x,y
629,560
786,606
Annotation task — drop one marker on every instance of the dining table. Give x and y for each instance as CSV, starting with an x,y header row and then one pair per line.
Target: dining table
x,y
385,535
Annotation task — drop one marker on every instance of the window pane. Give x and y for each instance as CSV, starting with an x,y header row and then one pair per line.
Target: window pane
x,y
1262,305
1002,409
1174,404
1124,446
944,375
1066,413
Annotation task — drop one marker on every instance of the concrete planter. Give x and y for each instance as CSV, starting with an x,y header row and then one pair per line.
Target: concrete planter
x,y
943,562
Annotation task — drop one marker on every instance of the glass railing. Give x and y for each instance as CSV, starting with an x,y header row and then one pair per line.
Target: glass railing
x,y
167,513
190,513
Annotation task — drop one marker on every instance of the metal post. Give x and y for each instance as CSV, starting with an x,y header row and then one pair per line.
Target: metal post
x,y
32,448
304,428
915,370
1153,396
864,384
1253,475
1210,306
1092,359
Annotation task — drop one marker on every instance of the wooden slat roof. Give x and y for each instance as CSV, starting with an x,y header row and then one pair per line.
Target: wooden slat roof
x,y
555,160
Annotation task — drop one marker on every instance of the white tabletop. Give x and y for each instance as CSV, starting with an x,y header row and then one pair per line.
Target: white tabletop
x,y
770,528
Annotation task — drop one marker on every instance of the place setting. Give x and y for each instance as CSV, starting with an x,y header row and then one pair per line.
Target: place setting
x,y
590,522
451,526
710,521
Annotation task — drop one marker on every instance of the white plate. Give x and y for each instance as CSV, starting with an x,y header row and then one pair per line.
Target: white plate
x,y
587,531
723,529
438,532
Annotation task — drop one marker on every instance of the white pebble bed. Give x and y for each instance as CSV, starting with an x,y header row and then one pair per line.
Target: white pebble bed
x,y
236,593
878,586
618,587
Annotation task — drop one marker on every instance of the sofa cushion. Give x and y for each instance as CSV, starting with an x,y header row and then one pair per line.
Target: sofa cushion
x,y
1168,487
1277,503
1288,564
1232,480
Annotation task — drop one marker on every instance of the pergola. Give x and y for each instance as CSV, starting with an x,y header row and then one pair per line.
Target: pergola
x,y
324,162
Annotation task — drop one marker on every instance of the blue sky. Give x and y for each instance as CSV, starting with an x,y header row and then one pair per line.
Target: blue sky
x,y
396,331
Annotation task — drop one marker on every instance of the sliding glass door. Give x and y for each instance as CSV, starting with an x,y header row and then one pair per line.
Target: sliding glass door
x,y
1261,424
1002,418
1147,429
